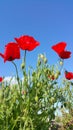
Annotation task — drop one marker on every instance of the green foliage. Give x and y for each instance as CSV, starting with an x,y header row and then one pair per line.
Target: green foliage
x,y
31,104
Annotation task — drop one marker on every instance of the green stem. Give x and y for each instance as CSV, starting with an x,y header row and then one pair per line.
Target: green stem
x,y
25,57
61,66
16,72
24,63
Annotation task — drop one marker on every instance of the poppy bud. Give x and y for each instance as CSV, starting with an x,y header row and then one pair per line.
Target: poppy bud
x,y
45,60
38,84
61,63
41,56
22,66
36,98
57,75
51,99
39,63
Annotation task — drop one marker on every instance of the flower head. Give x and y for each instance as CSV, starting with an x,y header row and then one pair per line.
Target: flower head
x,y
1,79
60,50
11,52
68,75
27,42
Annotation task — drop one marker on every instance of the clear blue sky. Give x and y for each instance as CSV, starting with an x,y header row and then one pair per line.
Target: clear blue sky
x,y
48,21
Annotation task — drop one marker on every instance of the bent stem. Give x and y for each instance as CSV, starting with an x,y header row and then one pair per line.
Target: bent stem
x,y
16,73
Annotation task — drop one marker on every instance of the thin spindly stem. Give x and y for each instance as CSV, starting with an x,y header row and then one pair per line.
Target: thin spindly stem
x,y
16,72
61,63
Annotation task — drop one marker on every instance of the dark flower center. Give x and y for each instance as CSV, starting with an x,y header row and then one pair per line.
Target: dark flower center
x,y
10,58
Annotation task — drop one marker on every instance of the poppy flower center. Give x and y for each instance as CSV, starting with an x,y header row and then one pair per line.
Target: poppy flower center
x,y
10,58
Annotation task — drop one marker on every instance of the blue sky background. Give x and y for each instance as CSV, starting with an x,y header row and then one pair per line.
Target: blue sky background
x,y
48,21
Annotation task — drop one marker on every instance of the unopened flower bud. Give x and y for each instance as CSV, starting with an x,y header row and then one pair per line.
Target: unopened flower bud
x,y
38,84
41,56
51,99
61,63
45,60
57,74
22,66
39,62
36,98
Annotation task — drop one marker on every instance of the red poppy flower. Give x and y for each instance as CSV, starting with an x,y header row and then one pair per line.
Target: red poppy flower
x,y
65,54
12,52
60,50
27,42
68,75
1,79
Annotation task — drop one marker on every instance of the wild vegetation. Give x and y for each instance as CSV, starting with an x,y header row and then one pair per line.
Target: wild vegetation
x,y
31,103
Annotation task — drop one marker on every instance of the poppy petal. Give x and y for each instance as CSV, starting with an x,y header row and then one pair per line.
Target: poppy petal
x,y
59,47
68,75
26,42
65,54
1,79
12,52
2,55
